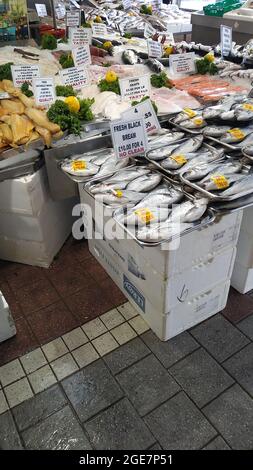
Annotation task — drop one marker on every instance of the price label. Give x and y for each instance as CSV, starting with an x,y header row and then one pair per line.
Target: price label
x,y
73,18
78,165
145,215
81,55
180,159
80,36
182,63
154,48
99,30
133,89
24,73
220,181
198,121
126,4
226,39
44,91
190,113
147,112
60,12
78,77
149,31
41,9
248,106
129,137
237,133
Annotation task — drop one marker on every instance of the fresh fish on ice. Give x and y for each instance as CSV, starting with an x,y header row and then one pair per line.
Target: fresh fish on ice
x,y
246,184
145,182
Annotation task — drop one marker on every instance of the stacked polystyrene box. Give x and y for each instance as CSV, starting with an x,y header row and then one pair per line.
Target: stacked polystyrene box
x,y
33,227
173,290
7,326
242,278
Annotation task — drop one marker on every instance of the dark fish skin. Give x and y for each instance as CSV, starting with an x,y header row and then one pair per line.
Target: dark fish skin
x,y
128,59
97,42
154,65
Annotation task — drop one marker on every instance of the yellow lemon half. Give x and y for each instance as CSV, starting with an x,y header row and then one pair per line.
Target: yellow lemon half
x,y
73,104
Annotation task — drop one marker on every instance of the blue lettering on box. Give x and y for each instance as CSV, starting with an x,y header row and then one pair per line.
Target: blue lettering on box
x,y
134,293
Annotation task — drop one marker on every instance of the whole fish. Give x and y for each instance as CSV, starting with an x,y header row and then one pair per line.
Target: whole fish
x,y
246,141
228,115
112,165
174,162
189,211
213,131
205,158
99,160
245,184
161,231
195,123
235,135
183,116
168,138
154,65
242,114
145,215
145,183
130,57
162,152
219,181
122,177
227,168
80,167
199,170
189,146
248,150
173,196
119,197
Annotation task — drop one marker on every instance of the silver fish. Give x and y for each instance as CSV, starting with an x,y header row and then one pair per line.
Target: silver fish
x,y
161,231
173,196
129,57
246,141
189,211
174,162
194,123
146,215
80,167
228,115
199,170
213,131
122,177
206,158
248,150
145,182
99,160
159,141
189,146
212,184
119,198
227,168
112,165
235,135
162,152
243,114
246,184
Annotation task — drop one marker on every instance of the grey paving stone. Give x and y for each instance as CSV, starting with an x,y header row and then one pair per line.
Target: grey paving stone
x,y
156,446
169,352
9,437
179,425
232,414
119,428
217,444
60,431
126,355
39,407
147,384
219,337
201,377
91,390
240,366
246,326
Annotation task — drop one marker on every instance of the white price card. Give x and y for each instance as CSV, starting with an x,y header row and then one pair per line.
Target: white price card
x,y
60,12
41,9
129,137
135,88
99,30
80,36
24,73
126,4
182,63
73,18
44,91
81,55
147,112
149,31
78,77
154,48
226,40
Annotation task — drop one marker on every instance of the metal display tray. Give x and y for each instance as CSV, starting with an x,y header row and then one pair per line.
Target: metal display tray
x,y
245,154
205,220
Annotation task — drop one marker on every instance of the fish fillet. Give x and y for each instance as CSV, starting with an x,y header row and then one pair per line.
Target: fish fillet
x,y
45,134
6,132
40,118
13,106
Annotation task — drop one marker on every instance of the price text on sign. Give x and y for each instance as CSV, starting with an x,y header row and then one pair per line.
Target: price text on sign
x,y
146,111
73,18
41,9
60,12
226,39
80,36
81,55
182,63
149,31
154,48
129,137
135,88
44,91
75,76
24,73
99,30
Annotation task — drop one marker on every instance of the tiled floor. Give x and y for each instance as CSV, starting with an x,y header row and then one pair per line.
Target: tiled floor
x,y
85,372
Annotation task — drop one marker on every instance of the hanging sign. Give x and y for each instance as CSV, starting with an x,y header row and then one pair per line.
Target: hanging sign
x,y
129,137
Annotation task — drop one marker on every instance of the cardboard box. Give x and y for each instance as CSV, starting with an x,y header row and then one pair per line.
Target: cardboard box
x,y
187,313
26,195
7,325
242,278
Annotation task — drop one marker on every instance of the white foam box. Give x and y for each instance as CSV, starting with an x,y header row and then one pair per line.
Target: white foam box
x,y
7,325
242,278
244,254
247,220
187,313
25,195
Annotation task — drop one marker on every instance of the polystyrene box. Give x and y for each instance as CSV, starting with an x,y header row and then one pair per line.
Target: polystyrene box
x,y
242,278
7,325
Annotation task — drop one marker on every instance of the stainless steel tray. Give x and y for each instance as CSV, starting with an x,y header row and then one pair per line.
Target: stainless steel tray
x,y
244,152
212,196
183,129
205,220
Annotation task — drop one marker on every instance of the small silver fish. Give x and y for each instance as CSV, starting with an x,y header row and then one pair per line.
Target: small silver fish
x,y
235,135
245,184
213,131
228,115
194,123
213,183
161,231
80,167
153,199
166,139
119,198
147,215
189,211
162,152
145,183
